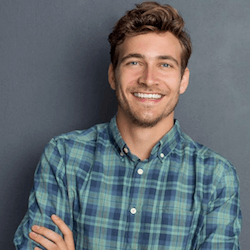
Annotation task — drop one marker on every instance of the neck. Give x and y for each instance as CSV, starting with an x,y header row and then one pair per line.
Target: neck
x,y
141,140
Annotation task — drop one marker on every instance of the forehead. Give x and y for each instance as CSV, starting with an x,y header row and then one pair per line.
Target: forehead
x,y
151,45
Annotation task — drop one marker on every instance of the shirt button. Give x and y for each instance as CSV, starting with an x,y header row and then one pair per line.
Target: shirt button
x,y
162,155
121,154
125,150
140,171
133,210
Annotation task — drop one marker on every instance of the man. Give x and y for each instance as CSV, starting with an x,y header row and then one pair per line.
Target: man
x,y
137,182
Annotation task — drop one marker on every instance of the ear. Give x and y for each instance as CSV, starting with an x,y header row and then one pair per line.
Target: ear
x,y
184,81
111,76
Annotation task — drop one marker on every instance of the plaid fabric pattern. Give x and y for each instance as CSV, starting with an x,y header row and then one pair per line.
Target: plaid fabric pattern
x,y
184,196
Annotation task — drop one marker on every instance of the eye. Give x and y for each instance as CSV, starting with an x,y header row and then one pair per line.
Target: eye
x,y
166,65
133,63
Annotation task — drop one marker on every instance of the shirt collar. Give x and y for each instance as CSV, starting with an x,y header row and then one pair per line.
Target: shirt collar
x,y
168,142
116,136
160,150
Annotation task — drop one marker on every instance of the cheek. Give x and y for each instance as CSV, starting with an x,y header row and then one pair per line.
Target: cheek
x,y
126,83
173,82
130,76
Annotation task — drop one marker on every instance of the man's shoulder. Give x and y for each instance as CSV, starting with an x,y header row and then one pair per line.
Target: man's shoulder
x,y
204,154
90,135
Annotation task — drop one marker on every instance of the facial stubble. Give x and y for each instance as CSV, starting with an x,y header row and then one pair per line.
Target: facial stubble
x,y
134,117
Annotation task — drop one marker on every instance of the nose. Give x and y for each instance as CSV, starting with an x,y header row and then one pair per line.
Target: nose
x,y
148,76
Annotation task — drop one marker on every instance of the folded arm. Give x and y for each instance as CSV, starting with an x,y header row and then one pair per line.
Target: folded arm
x,y
222,223
49,196
51,240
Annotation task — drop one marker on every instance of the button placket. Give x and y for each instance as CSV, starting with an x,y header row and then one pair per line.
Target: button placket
x,y
137,179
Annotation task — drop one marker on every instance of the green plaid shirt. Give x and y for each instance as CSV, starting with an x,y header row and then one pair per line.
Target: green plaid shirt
x,y
184,196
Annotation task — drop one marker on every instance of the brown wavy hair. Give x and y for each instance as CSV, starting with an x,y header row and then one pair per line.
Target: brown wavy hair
x,y
151,17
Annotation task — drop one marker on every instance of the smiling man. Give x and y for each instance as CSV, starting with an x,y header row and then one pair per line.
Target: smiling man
x,y
148,80
137,182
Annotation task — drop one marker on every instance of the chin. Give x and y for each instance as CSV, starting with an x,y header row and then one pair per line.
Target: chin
x,y
145,122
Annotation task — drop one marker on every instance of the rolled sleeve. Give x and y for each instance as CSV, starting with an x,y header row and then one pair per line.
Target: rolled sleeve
x,y
48,196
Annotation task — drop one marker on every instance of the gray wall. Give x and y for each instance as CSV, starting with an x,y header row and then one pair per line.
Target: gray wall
x,y
54,57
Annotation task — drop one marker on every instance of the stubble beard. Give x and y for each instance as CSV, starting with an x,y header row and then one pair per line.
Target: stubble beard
x,y
135,117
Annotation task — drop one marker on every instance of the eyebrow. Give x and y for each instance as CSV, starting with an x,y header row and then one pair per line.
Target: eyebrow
x,y
169,58
132,56
163,57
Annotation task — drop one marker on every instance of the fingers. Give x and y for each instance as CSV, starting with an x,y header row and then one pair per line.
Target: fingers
x,y
47,238
51,240
61,225
67,233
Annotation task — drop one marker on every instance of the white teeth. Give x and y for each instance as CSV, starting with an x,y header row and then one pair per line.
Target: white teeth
x,y
147,96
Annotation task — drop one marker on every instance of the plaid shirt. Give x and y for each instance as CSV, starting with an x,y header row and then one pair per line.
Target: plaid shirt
x,y
184,196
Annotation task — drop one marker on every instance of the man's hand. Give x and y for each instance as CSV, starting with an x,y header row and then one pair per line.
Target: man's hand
x,y
51,240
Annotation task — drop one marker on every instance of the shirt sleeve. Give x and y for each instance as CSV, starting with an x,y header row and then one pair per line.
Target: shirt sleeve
x,y
48,196
222,223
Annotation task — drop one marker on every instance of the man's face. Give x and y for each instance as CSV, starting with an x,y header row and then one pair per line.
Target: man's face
x,y
148,79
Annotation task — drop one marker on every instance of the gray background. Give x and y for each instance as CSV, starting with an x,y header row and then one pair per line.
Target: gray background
x,y
54,57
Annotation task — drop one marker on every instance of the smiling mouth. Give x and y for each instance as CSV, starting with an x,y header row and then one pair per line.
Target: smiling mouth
x,y
148,96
